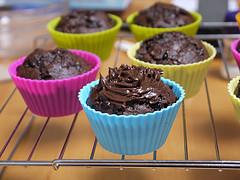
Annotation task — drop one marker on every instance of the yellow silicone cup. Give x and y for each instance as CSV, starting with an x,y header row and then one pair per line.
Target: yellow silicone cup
x,y
189,76
99,43
238,19
235,100
141,33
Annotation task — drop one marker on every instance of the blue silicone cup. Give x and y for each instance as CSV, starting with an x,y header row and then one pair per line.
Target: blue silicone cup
x,y
133,134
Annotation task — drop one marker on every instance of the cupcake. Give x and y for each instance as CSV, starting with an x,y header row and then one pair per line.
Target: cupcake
x,y
50,80
234,91
132,109
162,18
183,59
236,51
88,30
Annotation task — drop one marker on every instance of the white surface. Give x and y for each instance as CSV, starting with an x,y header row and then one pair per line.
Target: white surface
x,y
4,75
124,45
187,4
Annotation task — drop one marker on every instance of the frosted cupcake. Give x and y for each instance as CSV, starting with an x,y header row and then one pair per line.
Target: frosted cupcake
x,y
183,59
132,109
160,18
89,30
50,80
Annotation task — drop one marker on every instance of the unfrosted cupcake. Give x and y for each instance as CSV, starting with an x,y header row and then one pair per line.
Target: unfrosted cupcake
x,y
234,91
132,109
50,80
93,31
160,18
183,59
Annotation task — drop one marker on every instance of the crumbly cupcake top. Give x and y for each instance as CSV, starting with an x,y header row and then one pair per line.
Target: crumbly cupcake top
x,y
52,64
85,21
130,91
172,48
238,47
162,15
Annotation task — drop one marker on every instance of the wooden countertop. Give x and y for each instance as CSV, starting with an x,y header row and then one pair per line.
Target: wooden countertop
x,y
198,124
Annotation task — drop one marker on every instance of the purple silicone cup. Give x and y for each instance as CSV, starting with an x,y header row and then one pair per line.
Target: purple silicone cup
x,y
54,98
235,52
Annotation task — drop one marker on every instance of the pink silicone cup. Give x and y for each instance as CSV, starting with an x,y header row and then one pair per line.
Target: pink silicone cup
x,y
54,98
235,52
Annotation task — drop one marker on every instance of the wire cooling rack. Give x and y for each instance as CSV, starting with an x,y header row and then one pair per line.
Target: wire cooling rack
x,y
122,162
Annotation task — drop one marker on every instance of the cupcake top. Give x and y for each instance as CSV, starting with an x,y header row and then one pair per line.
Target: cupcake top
x,y
172,48
238,47
52,64
130,91
85,21
162,15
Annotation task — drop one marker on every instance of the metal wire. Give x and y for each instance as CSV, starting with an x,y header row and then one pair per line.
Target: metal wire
x,y
39,137
212,122
94,148
184,131
122,162
8,99
7,162
14,130
68,136
220,44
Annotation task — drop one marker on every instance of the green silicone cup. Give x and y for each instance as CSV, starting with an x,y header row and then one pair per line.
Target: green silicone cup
x,y
189,76
235,100
99,43
141,33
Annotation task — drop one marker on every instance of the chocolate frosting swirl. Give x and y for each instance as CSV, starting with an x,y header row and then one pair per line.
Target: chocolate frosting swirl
x,y
130,91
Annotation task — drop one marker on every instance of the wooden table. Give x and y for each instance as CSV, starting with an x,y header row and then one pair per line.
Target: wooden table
x,y
200,136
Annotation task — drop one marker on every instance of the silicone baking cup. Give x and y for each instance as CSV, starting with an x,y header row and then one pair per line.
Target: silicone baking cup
x,y
99,43
235,52
235,100
133,134
53,98
189,76
142,33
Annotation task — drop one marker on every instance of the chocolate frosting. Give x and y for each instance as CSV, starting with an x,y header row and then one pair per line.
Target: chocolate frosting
x,y
85,21
172,48
162,15
130,91
52,64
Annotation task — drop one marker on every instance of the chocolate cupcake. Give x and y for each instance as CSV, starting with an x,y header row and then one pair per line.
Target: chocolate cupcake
x,y
89,30
183,59
234,92
162,15
50,80
172,48
52,64
161,18
85,21
132,109
130,91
